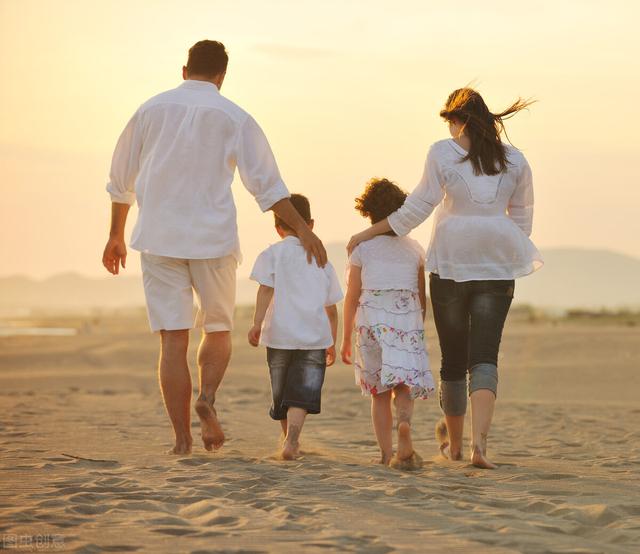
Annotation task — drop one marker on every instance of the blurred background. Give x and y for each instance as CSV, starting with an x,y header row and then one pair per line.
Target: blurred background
x,y
343,93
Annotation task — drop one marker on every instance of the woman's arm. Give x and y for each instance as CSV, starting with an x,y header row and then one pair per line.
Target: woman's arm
x,y
263,299
417,207
354,288
422,291
520,208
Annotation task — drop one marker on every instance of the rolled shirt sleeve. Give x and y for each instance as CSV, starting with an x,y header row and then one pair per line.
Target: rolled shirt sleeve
x,y
125,163
520,208
257,166
422,201
264,269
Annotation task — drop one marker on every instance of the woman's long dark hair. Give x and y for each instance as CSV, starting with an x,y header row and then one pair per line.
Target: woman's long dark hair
x,y
487,153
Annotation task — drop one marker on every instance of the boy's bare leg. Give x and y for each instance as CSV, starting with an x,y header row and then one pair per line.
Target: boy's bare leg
x,y
283,424
175,383
382,419
295,421
214,353
404,411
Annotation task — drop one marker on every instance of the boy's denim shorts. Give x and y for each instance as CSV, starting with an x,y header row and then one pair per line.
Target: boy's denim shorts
x,y
296,380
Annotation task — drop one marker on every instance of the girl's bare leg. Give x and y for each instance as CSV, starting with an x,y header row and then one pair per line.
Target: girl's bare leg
x,y
404,411
382,419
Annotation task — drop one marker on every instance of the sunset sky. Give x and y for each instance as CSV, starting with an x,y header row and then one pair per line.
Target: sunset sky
x,y
345,90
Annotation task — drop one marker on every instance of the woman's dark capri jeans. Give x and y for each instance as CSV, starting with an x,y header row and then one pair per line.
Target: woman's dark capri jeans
x,y
469,317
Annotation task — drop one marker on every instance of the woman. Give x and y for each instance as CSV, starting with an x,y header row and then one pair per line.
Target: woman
x,y
479,245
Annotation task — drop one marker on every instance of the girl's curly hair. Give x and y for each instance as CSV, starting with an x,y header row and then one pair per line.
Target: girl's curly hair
x,y
380,199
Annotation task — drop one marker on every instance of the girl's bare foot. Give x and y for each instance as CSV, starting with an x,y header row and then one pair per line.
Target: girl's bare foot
x,y
406,458
212,434
182,447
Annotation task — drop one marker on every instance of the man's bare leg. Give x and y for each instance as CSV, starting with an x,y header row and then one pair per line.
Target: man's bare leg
x,y
382,419
283,425
295,421
214,353
175,383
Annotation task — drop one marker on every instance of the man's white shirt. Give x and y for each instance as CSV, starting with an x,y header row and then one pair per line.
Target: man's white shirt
x,y
177,156
296,318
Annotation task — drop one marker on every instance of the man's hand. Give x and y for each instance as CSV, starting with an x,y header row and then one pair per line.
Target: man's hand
x,y
345,352
331,355
254,335
115,253
314,247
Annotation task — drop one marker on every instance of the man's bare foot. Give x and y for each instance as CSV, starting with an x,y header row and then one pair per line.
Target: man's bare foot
x,y
212,434
479,458
442,436
182,447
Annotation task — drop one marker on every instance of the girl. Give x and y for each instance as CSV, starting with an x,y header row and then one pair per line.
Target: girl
x,y
386,299
479,245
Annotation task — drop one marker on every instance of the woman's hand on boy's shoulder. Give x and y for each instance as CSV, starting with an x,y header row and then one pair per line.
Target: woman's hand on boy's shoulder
x,y
254,335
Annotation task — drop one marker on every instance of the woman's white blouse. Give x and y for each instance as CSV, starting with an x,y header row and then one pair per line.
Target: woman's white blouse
x,y
483,222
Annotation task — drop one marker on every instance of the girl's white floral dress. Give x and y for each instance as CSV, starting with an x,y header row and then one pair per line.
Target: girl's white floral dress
x,y
390,345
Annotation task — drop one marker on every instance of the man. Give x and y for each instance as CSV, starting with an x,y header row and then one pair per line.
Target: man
x,y
177,156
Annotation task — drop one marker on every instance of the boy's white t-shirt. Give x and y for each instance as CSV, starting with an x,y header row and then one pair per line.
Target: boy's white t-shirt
x,y
296,318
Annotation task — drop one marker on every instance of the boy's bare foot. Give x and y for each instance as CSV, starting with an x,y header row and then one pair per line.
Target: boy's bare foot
x,y
479,456
290,451
406,458
212,434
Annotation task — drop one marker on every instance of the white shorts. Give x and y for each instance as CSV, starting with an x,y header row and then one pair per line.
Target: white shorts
x,y
169,284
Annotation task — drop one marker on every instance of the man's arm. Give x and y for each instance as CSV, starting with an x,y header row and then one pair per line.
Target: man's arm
x,y
115,252
311,243
263,299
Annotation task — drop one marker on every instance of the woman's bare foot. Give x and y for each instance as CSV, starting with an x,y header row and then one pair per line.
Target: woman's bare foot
x,y
479,458
212,434
442,436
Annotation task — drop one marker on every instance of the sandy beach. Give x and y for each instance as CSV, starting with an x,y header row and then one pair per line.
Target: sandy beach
x,y
83,434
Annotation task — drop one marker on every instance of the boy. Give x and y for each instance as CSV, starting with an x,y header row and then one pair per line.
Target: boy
x,y
296,319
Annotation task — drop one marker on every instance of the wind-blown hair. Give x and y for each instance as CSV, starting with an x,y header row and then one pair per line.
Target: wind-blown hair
x,y
487,153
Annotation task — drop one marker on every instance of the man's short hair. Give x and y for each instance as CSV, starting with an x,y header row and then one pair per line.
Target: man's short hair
x,y
302,206
207,58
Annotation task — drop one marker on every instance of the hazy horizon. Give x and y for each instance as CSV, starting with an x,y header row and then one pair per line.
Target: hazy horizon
x,y
343,91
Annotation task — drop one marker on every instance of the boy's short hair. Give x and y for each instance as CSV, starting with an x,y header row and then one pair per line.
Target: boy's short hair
x,y
380,199
208,58
302,206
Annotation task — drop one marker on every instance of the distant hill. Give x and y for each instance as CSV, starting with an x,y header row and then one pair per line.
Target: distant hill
x,y
571,278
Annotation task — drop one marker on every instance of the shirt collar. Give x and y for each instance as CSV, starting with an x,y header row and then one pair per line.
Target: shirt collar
x,y
457,147
200,85
292,238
